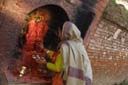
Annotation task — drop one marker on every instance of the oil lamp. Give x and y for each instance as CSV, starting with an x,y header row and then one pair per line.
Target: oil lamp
x,y
22,71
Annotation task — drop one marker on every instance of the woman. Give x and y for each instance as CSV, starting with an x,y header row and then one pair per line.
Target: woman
x,y
77,67
73,59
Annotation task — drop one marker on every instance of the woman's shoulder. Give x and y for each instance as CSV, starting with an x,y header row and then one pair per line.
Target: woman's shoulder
x,y
64,45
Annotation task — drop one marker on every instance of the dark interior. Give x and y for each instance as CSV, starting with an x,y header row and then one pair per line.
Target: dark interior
x,y
83,21
58,17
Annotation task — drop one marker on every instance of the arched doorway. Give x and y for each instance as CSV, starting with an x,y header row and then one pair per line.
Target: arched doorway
x,y
57,18
54,17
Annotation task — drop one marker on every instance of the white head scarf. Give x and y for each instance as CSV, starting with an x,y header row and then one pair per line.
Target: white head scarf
x,y
70,32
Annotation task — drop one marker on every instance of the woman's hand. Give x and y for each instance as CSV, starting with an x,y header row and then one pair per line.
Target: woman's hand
x,y
40,60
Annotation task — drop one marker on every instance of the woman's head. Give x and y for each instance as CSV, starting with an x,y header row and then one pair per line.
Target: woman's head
x,y
70,31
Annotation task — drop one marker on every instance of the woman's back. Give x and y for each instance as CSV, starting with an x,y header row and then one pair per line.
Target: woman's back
x,y
77,67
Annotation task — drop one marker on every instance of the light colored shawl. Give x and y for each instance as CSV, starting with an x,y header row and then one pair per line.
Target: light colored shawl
x,y
77,67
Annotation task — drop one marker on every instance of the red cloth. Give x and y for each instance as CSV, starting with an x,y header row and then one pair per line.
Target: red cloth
x,y
36,32
34,37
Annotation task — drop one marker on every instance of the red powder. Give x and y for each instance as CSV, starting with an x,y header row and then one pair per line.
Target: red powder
x,y
34,40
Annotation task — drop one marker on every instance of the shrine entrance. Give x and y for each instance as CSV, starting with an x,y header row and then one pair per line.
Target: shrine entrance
x,y
40,33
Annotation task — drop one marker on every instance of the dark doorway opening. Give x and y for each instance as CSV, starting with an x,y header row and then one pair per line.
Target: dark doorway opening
x,y
57,18
50,17
85,15
83,21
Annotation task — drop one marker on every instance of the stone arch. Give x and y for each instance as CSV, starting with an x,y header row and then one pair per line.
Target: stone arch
x,y
57,18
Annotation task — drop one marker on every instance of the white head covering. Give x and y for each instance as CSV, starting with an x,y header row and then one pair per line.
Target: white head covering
x,y
70,31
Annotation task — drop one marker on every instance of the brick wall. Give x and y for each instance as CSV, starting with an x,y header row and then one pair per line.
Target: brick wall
x,y
12,15
99,9
12,19
108,55
104,43
107,48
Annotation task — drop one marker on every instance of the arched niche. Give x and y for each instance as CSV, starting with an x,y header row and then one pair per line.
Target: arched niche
x,y
57,17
